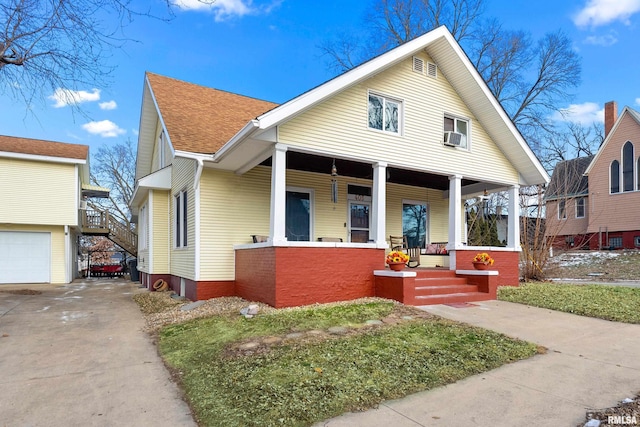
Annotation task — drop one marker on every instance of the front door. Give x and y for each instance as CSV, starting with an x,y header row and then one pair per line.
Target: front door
x,y
359,219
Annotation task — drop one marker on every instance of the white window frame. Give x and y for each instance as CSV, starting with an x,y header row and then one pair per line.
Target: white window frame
x,y
143,237
584,206
181,220
456,119
162,160
386,98
562,203
311,193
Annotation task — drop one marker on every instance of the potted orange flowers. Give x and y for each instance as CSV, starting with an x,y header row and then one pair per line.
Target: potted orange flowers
x,y
482,261
397,260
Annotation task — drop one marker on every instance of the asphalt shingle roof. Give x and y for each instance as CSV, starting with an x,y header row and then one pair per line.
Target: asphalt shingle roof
x,y
568,179
39,147
201,119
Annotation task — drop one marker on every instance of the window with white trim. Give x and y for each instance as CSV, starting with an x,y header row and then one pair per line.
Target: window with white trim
x,y
384,114
458,125
143,237
161,150
614,177
562,211
627,167
580,207
298,214
181,219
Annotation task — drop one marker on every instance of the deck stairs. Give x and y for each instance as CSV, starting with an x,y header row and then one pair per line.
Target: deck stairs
x,y
95,222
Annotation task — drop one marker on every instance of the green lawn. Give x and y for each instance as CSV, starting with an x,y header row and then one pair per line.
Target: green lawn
x,y
298,382
617,303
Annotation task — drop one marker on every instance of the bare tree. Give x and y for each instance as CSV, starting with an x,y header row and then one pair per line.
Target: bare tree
x,y
114,168
51,44
530,79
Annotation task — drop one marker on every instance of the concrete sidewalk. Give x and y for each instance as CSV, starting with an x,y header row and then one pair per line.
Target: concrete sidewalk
x,y
590,364
76,356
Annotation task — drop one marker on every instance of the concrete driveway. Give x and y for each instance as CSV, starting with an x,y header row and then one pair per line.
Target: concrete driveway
x,y
75,355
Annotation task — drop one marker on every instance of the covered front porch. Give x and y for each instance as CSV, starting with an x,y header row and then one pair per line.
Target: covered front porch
x,y
306,258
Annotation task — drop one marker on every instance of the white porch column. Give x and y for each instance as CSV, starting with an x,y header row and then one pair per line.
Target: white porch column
x,y
455,217
513,237
278,194
379,203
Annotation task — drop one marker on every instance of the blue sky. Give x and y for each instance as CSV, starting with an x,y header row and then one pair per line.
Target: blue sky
x,y
269,49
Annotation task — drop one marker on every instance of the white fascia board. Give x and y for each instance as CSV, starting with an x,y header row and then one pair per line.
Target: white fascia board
x,y
243,134
351,77
497,107
38,158
159,180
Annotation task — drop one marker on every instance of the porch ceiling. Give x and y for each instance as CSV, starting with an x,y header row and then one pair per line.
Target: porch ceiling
x,y
320,164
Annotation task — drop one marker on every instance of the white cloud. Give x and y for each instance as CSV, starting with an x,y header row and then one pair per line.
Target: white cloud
x,y
64,97
637,101
585,114
602,12
135,132
109,105
606,40
104,128
227,9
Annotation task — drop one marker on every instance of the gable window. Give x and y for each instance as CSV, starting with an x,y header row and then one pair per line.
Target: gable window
x,y
298,215
580,202
615,176
161,150
562,211
181,219
414,223
460,126
627,167
385,114
143,237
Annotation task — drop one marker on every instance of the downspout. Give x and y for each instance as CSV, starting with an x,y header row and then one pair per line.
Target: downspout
x,y
67,255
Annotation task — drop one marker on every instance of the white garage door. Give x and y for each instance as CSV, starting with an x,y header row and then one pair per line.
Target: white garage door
x,y
25,257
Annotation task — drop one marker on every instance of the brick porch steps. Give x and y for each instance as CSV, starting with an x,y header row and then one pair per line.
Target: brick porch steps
x,y
439,286
451,298
436,286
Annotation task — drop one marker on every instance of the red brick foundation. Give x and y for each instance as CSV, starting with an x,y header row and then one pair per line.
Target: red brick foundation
x,y
293,276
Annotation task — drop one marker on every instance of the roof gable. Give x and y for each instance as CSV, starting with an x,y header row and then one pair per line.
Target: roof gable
x,y
41,148
568,179
627,113
199,119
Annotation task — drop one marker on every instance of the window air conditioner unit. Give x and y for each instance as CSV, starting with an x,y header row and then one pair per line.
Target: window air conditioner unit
x,y
452,139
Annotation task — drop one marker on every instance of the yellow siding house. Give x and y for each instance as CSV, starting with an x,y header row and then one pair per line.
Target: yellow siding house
x,y
296,203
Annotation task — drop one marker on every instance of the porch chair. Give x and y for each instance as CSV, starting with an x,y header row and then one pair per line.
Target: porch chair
x,y
259,239
399,243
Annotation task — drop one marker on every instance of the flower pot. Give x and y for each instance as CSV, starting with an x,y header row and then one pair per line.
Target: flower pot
x,y
397,266
479,265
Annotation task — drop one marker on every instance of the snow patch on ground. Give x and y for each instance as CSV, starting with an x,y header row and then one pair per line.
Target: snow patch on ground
x,y
569,259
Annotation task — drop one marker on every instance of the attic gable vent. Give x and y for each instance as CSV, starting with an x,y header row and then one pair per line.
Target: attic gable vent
x,y
418,65
432,70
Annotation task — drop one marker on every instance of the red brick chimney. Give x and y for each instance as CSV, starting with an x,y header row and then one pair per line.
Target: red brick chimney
x,y
610,116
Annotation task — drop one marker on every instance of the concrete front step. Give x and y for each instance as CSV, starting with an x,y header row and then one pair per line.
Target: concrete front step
x,y
451,298
440,281
445,289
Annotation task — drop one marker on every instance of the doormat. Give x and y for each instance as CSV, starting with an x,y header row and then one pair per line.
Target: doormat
x,y
461,305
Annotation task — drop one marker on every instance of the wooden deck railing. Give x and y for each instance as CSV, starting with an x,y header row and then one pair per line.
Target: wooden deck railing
x,y
96,222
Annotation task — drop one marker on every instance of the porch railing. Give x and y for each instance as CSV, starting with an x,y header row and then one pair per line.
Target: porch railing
x,y
97,222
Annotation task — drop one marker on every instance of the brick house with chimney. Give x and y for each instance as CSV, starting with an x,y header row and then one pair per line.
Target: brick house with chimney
x,y
592,201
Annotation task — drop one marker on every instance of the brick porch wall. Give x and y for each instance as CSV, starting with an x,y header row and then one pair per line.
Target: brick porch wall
x,y
507,263
293,276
